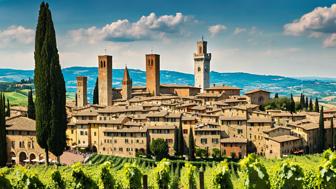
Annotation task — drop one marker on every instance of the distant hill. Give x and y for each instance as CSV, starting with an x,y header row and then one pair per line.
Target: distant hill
x,y
275,84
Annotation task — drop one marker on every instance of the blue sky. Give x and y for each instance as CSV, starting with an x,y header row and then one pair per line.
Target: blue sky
x,y
287,37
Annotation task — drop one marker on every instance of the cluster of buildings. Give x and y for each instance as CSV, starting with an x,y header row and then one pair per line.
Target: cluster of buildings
x,y
127,119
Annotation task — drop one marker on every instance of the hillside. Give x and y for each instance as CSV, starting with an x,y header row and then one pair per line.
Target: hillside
x,y
282,85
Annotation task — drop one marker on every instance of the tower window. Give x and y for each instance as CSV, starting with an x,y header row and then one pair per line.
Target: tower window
x,y
200,50
199,69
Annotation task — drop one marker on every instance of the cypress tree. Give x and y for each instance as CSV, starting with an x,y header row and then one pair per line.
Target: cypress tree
x,y
317,107
3,144
180,139
301,105
8,109
306,103
276,95
332,133
49,88
95,93
292,105
311,106
76,102
31,105
191,145
321,132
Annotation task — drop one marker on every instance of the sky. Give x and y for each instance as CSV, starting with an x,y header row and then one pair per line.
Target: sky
x,y
288,37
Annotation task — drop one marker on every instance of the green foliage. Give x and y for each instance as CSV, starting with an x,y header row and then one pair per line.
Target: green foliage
x,y
201,152
216,153
130,177
188,176
107,180
159,148
80,180
218,177
56,181
26,180
8,114
180,139
321,134
328,170
3,143
191,146
161,175
289,176
254,173
317,106
310,180
31,105
4,182
280,103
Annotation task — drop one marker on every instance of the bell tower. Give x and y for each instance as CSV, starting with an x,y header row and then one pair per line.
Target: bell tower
x,y
126,90
202,65
105,80
153,74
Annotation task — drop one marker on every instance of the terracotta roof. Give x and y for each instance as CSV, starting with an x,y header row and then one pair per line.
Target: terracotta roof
x,y
157,114
222,88
275,128
126,130
234,140
256,91
21,124
284,138
259,120
178,86
85,113
170,127
232,118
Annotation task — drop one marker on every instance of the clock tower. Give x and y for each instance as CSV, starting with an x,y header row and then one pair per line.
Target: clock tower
x,y
202,65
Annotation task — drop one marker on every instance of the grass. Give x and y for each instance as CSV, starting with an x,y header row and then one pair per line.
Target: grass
x,y
17,98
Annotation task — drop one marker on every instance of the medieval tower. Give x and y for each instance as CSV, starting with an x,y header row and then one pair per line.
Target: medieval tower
x,y
153,74
126,90
202,65
105,80
81,91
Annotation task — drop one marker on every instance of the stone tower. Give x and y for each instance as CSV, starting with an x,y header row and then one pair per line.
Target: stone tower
x,y
105,80
202,65
153,74
81,91
126,90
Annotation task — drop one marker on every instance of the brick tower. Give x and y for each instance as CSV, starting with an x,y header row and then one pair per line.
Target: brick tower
x,y
105,80
153,74
202,65
126,90
81,91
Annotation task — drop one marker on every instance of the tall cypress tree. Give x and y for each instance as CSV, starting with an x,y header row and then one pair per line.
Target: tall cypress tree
x,y
306,103
321,132
301,105
76,101
292,105
180,139
31,105
95,93
49,88
332,133
276,95
3,144
8,109
191,145
317,106
311,106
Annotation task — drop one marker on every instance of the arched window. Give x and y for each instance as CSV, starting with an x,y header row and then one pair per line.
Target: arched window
x,y
199,69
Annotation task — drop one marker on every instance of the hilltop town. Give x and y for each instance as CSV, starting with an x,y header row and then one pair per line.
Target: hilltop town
x,y
126,120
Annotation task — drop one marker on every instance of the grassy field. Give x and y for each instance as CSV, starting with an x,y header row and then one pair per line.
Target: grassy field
x,y
17,98
91,168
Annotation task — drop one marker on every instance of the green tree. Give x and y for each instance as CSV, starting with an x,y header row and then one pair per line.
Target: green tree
x,y
95,99
49,88
276,95
289,176
191,145
332,133
76,102
311,105
321,137
180,139
159,148
31,105
292,105
8,109
317,106
3,144
306,103
302,102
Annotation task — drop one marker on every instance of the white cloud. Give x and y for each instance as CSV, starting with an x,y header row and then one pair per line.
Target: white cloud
x,y
321,19
330,41
147,27
16,34
216,29
239,30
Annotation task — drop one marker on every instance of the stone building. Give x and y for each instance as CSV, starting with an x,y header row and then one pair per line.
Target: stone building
x,y
105,80
153,74
81,93
202,65
258,96
126,86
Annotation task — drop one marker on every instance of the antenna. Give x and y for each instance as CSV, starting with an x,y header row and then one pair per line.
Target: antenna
x,y
202,38
105,51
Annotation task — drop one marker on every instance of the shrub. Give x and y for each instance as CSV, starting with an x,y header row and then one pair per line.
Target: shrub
x,y
130,176
161,175
327,176
106,178
80,180
218,177
310,180
26,180
289,176
4,182
56,181
254,173
159,148
200,152
216,153
188,176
